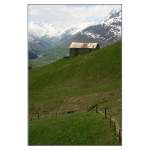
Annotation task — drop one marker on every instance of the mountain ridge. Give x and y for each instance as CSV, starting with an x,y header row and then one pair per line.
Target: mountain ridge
x,y
105,32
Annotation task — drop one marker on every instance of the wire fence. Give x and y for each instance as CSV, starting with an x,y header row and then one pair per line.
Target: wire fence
x,y
106,112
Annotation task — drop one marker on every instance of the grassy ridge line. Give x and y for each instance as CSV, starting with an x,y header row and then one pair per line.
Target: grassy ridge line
x,y
85,64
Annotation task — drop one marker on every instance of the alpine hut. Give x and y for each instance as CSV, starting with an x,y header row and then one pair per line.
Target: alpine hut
x,y
77,48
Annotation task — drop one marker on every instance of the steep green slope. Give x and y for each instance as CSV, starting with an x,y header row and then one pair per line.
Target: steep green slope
x,y
76,129
74,84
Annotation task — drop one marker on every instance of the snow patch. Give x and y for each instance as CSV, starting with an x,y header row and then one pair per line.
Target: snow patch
x,y
92,35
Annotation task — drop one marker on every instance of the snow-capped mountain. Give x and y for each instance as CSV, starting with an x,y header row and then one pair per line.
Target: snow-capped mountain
x,y
104,32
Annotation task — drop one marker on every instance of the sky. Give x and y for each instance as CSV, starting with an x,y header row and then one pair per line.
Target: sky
x,y
54,19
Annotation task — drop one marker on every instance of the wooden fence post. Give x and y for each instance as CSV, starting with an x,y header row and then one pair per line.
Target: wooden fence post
x,y
105,113
110,120
115,127
119,136
96,108
38,115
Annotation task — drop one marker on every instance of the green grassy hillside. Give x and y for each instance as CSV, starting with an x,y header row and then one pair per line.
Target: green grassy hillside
x,y
76,129
76,83
48,56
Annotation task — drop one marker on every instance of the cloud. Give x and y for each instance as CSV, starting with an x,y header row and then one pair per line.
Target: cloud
x,y
56,18
68,13
41,29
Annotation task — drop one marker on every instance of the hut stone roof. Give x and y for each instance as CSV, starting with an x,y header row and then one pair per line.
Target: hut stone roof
x,y
83,45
